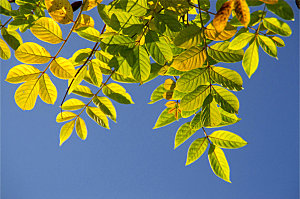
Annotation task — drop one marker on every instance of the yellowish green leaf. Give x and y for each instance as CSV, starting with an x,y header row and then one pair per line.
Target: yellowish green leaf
x,y
98,116
65,116
226,139
60,10
22,73
66,131
4,50
32,53
81,129
196,149
47,90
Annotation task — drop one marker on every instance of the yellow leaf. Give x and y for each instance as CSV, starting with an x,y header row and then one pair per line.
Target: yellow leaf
x,y
242,11
62,68
98,116
66,131
81,128
26,95
222,16
95,74
76,80
269,1
60,10
65,116
47,30
169,84
212,34
171,104
83,91
32,53
85,21
4,50
47,91
90,4
22,73
72,104
190,59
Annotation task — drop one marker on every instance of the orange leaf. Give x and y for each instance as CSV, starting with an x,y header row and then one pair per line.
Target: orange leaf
x,y
221,18
269,1
242,12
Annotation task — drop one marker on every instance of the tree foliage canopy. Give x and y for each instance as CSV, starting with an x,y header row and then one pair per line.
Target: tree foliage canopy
x,y
184,40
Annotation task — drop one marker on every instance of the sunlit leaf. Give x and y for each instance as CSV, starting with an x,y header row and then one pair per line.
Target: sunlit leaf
x,y
194,99
183,133
192,79
222,16
83,91
141,69
242,11
72,104
22,73
106,107
188,37
210,115
66,131
89,33
98,116
241,41
196,149
32,53
26,95
5,8
4,50
12,37
226,139
95,73
267,45
84,21
47,90
277,26
62,68
212,34
65,116
60,10
221,53
227,78
46,29
278,41
165,118
251,58
282,9
118,93
218,162
157,94
81,129
90,4
227,100
77,79
269,1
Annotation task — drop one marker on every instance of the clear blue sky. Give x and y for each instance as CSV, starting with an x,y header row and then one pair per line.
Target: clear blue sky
x,y
133,161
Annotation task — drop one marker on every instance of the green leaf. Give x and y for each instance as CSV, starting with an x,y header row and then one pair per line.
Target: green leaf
x,y
157,94
95,73
66,131
12,38
80,56
254,2
47,90
194,99
47,30
196,122
65,116
121,65
210,115
282,9
165,118
119,40
158,48
219,4
228,118
22,73
4,50
251,58
77,79
141,69
5,8
106,107
196,149
241,41
83,91
118,93
218,162
278,41
221,53
89,33
183,133
227,78
98,116
190,59
62,68
226,139
32,53
277,26
72,104
135,7
227,100
188,37
267,45
192,79
81,129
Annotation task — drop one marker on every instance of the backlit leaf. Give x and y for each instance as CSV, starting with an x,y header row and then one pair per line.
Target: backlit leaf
x,y
157,94
62,68
118,93
210,115
165,118
218,162
241,41
277,26
227,100
194,99
84,21
269,1
196,149
282,9
90,4
81,129
83,91
190,59
278,41
251,58
32,53
183,133
221,53
98,116
212,34
77,79
47,90
65,116
60,10
192,79
242,11
267,45
72,104
4,50
141,69
95,73
227,78
222,16
22,73
106,107
66,131
89,33
46,29
12,37
226,139
188,37
26,95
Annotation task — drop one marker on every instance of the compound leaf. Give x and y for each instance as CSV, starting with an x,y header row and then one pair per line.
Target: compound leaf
x,y
226,139
26,95
66,131
196,149
32,53
22,73
47,90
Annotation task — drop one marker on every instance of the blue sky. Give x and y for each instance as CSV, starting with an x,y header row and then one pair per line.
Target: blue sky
x,y
134,161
